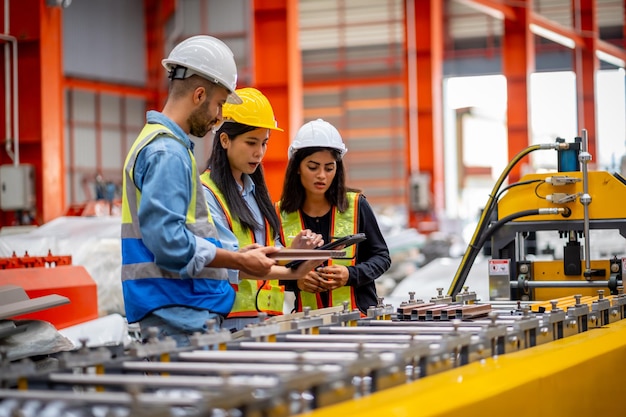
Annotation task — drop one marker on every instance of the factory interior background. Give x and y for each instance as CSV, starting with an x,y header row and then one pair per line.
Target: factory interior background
x,y
424,147
433,99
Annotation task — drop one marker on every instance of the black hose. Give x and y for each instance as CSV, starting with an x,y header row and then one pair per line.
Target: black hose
x,y
494,227
472,248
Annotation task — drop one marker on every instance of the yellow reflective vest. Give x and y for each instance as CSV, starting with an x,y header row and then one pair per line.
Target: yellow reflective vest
x,y
146,286
342,224
251,295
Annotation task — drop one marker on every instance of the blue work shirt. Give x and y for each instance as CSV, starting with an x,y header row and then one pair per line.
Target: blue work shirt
x,y
162,211
163,203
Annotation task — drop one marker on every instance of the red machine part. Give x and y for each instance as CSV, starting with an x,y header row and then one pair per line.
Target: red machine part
x,y
44,275
28,261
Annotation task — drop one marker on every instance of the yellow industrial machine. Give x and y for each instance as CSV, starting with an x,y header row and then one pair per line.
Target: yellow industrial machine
x,y
543,280
450,355
570,202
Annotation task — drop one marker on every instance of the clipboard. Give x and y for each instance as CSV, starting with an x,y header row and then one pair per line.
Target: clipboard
x,y
345,241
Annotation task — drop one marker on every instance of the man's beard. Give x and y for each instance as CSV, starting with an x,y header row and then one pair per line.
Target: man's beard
x,y
198,125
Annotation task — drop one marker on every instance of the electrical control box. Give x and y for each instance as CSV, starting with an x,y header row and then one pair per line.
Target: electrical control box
x,y
17,188
419,192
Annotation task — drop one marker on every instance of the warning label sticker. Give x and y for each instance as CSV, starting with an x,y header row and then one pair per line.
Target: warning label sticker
x,y
499,266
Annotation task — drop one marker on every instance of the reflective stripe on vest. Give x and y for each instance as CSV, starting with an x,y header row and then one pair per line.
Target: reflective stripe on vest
x,y
251,295
342,224
146,286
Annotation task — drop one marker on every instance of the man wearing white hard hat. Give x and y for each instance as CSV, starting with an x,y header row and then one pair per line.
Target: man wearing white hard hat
x,y
173,265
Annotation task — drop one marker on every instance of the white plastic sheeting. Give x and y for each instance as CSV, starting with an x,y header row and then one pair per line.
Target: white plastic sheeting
x,y
111,330
93,242
439,274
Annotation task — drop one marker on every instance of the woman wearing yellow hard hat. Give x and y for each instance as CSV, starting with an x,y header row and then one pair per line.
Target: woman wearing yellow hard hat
x,y
241,207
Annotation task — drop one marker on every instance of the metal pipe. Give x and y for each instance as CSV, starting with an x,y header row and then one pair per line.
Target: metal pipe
x,y
177,29
584,157
562,284
13,154
7,89
520,249
16,109
412,86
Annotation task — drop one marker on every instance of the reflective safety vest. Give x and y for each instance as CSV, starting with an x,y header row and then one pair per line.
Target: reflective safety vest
x,y
146,286
342,224
252,295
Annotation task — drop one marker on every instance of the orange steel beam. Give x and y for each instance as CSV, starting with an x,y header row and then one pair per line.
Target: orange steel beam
x,y
577,36
38,29
277,73
518,62
52,107
107,88
612,50
501,11
351,81
495,9
556,28
157,13
424,91
369,132
583,38
586,65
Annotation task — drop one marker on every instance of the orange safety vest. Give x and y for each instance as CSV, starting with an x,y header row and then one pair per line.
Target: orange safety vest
x,y
342,224
252,295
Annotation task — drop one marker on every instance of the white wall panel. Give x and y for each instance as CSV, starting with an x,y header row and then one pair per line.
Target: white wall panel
x,y
84,148
135,115
111,153
82,107
110,109
104,40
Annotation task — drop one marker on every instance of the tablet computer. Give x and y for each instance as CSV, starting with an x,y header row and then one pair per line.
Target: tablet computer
x,y
345,242
288,254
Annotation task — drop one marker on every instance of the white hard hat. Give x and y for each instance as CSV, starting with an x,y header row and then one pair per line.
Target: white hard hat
x,y
207,57
317,133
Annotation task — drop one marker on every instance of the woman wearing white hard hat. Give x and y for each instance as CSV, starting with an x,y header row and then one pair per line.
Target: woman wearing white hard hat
x,y
241,206
316,197
174,275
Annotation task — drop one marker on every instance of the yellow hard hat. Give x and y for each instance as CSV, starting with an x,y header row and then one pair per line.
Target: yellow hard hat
x,y
255,110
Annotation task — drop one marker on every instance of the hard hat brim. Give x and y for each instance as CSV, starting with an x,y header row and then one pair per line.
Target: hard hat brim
x,y
257,125
233,98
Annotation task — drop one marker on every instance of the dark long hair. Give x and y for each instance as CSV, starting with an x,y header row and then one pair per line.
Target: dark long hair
x,y
293,195
222,175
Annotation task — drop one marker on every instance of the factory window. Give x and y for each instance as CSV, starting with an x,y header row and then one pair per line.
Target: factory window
x,y
100,127
482,124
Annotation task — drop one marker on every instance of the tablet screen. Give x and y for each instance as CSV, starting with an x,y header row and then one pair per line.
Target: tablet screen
x,y
342,241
